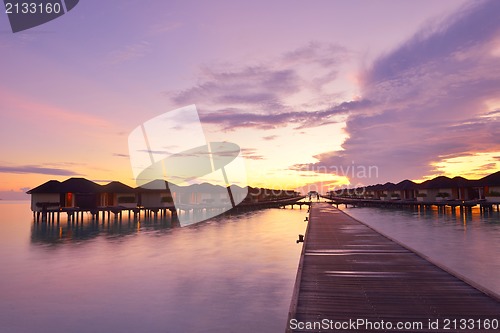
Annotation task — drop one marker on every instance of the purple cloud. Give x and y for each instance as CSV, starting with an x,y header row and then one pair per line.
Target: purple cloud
x,y
251,154
121,155
257,85
314,52
37,170
429,100
260,95
232,119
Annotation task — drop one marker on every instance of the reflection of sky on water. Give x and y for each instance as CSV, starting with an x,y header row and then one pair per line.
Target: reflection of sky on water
x,y
466,243
64,232
232,273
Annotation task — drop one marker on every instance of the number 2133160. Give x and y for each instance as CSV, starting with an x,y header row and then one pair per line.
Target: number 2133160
x,y
32,8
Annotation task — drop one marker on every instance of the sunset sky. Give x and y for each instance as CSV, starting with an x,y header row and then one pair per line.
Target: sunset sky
x,y
310,90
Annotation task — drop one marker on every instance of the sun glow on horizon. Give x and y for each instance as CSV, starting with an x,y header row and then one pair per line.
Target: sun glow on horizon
x,y
470,166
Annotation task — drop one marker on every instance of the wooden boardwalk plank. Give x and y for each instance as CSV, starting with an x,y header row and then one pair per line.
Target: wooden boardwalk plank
x,y
348,271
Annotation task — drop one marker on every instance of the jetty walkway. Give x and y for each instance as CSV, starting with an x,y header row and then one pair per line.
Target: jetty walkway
x,y
351,278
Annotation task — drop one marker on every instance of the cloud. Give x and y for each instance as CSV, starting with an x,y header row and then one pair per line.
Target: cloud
x,y
316,53
35,169
232,119
264,95
270,137
251,154
487,167
121,155
103,180
254,85
430,99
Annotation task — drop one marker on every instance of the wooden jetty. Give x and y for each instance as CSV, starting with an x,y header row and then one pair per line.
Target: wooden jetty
x,y
349,272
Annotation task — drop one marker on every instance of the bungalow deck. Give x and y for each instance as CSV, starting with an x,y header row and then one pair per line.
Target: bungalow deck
x,y
347,271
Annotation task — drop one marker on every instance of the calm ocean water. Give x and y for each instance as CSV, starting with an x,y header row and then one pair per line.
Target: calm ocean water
x,y
468,244
229,274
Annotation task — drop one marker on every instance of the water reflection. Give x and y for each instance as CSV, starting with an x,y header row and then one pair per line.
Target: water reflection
x,y
461,240
66,231
448,215
228,274
60,233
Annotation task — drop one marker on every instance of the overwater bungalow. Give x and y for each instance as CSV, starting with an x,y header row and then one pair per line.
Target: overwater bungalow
x,y
77,196
387,191
46,196
405,190
155,194
117,194
202,194
489,187
73,192
445,188
80,192
437,189
256,194
370,192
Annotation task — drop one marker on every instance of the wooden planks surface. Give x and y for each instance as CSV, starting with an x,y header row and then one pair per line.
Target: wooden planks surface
x,y
350,272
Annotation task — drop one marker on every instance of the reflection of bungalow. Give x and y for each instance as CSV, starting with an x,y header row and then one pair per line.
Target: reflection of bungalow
x,y
118,194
